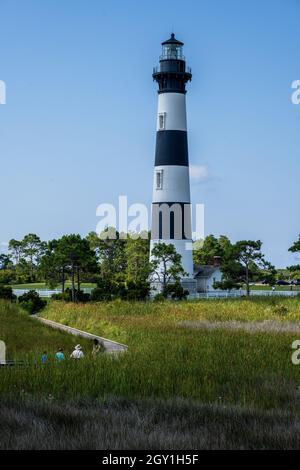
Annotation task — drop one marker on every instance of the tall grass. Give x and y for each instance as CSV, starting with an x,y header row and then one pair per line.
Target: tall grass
x,y
175,387
142,424
115,319
25,336
165,360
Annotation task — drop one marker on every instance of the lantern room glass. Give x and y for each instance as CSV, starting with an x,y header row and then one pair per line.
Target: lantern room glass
x,y
172,51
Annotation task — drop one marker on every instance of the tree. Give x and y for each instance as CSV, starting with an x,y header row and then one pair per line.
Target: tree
x,y
295,270
166,265
110,250
295,248
124,265
138,267
74,254
205,251
250,256
52,267
4,261
32,250
243,263
15,247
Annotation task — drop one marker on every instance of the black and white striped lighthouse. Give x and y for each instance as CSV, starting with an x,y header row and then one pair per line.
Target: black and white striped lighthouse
x,y
171,208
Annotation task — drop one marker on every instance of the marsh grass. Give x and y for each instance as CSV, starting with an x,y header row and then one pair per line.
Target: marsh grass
x,y
110,316
118,423
27,338
175,387
164,361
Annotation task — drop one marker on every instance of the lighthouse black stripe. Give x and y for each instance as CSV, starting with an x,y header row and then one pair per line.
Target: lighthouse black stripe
x,y
171,148
171,221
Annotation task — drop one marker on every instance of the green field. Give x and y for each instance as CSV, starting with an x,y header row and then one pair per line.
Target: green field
x,y
237,381
43,285
277,288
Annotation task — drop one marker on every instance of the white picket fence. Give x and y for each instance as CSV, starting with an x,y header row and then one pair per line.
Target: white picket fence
x,y
46,293
242,292
218,294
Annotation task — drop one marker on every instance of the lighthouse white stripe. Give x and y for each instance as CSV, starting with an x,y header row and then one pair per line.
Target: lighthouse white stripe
x,y
173,109
175,184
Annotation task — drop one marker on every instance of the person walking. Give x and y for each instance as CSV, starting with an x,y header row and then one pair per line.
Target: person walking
x,y
59,356
44,357
98,347
77,353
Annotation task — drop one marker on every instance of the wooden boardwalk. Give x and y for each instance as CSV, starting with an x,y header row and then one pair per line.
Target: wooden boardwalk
x,y
111,347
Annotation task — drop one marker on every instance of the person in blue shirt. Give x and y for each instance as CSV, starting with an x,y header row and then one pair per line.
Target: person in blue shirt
x,y
44,357
59,356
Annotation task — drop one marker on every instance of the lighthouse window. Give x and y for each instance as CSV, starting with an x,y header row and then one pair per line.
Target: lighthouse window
x,y
162,121
159,179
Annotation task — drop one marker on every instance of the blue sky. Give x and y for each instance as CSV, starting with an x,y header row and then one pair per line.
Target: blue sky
x,y
78,128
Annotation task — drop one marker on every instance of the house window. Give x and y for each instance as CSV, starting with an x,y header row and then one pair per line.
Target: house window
x,y
159,179
162,121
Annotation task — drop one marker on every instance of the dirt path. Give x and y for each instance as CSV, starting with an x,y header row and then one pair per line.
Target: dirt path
x,y
268,326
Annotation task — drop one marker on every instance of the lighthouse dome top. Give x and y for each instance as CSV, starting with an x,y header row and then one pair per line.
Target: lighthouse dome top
x,y
172,49
172,40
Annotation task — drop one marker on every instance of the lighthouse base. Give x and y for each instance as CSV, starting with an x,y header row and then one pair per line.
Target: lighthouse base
x,y
188,284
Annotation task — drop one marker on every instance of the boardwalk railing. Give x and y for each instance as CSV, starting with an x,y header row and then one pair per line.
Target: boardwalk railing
x,y
110,345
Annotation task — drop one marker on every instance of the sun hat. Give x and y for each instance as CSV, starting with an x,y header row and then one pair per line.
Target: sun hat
x,y
78,346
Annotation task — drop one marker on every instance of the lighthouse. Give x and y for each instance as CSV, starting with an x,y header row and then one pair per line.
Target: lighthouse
x,y
171,203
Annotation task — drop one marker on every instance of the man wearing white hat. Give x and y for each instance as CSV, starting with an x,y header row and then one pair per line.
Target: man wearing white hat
x,y
77,353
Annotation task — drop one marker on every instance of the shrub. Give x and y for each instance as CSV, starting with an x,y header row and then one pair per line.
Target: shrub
x,y
159,297
6,293
6,276
82,296
99,294
280,310
103,291
137,290
63,296
176,291
31,302
66,296
119,290
131,290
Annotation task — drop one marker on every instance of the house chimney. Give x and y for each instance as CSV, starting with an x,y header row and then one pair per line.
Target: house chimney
x,y
217,260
